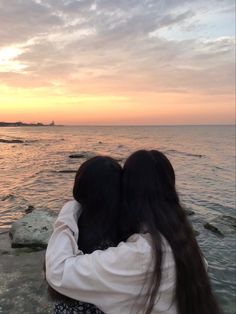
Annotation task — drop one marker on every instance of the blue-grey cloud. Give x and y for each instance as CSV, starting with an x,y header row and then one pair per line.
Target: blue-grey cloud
x,y
136,45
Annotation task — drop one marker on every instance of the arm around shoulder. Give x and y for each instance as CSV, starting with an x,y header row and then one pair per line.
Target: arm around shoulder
x,y
102,278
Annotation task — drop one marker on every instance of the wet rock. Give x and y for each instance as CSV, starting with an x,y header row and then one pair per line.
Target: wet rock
x,y
229,220
11,141
213,228
7,197
80,155
67,171
222,225
23,289
189,212
177,152
33,230
196,232
119,159
29,209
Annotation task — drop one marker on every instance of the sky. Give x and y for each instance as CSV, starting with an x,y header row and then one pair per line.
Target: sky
x,y
117,61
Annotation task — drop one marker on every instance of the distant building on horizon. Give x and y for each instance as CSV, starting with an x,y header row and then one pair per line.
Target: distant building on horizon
x,y
52,123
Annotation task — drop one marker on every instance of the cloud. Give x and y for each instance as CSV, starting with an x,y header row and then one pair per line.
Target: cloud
x,y
100,46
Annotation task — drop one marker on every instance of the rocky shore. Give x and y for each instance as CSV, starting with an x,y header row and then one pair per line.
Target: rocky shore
x,y
33,230
23,288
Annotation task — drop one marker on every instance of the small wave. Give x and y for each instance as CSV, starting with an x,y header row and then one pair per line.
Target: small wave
x,y
177,152
59,171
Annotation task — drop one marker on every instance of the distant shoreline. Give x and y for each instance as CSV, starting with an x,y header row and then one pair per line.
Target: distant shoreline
x,y
18,124
22,124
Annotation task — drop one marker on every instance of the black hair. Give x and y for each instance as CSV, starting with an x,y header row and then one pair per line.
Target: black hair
x,y
151,200
97,187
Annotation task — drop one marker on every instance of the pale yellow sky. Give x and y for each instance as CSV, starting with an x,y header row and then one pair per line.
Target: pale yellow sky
x,y
105,62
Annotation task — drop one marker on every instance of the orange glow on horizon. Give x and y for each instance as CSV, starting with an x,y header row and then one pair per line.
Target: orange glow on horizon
x,y
45,105
118,62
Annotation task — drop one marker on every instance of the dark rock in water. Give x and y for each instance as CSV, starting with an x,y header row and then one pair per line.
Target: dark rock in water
x,y
225,219
222,225
82,155
196,232
213,228
189,212
7,197
29,209
119,159
177,152
33,230
67,171
11,141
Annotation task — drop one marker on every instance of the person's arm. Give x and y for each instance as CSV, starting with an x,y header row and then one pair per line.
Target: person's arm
x,y
103,278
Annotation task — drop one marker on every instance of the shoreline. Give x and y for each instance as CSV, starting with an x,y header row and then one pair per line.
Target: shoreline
x,y
19,124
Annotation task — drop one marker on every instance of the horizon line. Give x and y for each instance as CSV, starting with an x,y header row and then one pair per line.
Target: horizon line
x,y
135,125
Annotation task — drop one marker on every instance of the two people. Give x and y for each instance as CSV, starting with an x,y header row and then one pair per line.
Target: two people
x,y
124,245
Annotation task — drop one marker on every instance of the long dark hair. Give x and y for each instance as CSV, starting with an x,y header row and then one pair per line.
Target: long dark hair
x,y
97,188
150,199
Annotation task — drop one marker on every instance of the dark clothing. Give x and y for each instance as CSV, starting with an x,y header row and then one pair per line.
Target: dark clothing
x,y
76,307
70,306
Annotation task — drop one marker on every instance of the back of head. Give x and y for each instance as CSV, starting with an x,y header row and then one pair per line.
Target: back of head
x,y
97,188
151,202
148,181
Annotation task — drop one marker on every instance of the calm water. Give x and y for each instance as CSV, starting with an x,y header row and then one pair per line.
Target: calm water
x,y
29,176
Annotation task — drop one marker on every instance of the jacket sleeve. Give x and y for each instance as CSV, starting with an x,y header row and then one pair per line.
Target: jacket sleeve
x,y
103,278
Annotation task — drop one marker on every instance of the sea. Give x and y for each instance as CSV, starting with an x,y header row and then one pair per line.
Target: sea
x,y
39,172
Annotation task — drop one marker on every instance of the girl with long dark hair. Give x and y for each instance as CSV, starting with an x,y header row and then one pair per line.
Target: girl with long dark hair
x,y
97,190
158,268
151,202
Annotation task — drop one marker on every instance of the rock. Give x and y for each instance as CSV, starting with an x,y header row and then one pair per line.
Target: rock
x,y
118,158
189,212
222,225
29,209
196,232
23,289
33,230
11,141
83,155
212,228
7,197
67,171
228,220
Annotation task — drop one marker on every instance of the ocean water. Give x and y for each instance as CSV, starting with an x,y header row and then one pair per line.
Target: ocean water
x,y
203,158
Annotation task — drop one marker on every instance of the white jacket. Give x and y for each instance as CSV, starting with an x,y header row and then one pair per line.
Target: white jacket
x,y
113,279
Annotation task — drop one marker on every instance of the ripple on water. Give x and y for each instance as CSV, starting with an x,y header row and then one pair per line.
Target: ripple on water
x,y
205,177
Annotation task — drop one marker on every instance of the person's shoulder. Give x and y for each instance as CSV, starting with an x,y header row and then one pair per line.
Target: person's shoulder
x,y
72,204
137,247
142,242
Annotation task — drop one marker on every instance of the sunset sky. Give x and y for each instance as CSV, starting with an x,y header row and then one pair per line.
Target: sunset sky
x,y
117,61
